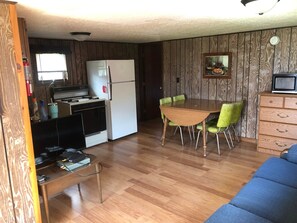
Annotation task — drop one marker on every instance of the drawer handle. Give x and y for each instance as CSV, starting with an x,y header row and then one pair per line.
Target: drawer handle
x,y
282,116
281,145
282,131
272,101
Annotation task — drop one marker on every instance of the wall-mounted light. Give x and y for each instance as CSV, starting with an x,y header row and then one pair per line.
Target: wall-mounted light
x,y
259,6
274,40
80,36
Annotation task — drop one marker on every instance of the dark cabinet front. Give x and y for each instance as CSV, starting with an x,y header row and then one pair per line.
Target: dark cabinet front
x,y
94,118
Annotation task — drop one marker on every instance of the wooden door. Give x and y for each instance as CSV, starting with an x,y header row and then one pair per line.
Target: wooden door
x,y
150,80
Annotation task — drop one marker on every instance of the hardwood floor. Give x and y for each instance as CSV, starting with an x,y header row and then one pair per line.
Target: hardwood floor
x,y
144,182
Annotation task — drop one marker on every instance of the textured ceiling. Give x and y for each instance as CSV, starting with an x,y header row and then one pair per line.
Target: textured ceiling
x,y
139,21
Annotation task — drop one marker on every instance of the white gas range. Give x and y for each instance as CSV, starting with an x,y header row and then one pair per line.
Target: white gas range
x,y
75,99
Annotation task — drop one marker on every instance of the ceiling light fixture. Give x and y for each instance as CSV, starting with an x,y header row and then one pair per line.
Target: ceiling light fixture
x,y
259,6
80,36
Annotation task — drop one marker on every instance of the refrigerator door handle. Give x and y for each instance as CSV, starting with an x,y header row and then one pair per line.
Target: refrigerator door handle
x,y
109,83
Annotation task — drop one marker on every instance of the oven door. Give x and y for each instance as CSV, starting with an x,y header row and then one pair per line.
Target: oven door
x,y
93,114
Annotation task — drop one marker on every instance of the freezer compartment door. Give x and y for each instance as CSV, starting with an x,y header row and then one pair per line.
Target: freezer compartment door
x,y
121,111
121,70
98,79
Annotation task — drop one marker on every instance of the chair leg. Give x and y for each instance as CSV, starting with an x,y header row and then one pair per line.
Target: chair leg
x,y
190,134
197,141
181,135
193,131
218,143
230,138
227,139
235,133
232,132
175,130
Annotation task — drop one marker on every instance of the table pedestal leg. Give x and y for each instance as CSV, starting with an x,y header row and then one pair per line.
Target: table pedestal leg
x,y
164,131
204,137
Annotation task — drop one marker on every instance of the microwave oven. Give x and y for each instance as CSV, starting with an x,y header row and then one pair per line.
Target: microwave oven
x,y
284,83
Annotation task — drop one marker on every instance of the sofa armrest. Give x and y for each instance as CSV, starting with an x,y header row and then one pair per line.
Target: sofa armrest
x,y
284,151
284,154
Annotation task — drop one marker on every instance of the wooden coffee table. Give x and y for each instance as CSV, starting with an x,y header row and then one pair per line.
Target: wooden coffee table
x,y
58,180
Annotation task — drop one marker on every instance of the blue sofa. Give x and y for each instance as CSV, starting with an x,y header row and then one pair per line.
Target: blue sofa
x,y
270,196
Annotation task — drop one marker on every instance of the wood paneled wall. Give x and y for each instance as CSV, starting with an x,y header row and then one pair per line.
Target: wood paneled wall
x,y
16,203
80,53
254,60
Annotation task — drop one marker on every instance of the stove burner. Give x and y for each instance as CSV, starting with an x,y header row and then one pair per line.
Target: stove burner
x,y
69,100
87,96
90,97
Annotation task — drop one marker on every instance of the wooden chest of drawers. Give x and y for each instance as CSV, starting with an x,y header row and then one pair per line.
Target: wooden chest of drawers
x,y
277,122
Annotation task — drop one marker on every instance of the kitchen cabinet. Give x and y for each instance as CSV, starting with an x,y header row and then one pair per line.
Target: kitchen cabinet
x,y
277,122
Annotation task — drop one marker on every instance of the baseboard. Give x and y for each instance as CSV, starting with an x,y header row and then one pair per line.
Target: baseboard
x,y
250,140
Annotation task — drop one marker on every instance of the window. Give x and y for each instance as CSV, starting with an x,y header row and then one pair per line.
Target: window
x,y
51,66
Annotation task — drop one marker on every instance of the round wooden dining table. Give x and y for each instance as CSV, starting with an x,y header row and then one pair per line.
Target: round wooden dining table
x,y
189,112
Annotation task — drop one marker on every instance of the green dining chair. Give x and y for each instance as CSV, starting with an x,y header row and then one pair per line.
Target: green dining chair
x,y
238,106
211,120
221,126
167,100
182,97
164,101
199,127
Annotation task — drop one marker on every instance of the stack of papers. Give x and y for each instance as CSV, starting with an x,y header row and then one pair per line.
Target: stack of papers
x,y
69,166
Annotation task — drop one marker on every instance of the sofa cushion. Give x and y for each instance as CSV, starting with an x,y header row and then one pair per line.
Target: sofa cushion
x,y
268,199
278,170
231,214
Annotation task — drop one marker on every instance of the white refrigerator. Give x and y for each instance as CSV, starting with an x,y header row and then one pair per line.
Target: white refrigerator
x,y
114,81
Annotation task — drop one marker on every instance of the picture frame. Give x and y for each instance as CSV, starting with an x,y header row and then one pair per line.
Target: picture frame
x,y
217,65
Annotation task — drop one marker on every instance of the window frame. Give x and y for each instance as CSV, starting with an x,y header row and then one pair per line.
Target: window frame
x,y
51,80
39,49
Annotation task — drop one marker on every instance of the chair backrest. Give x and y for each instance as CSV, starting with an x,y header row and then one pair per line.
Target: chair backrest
x,y
180,97
225,115
164,101
236,112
